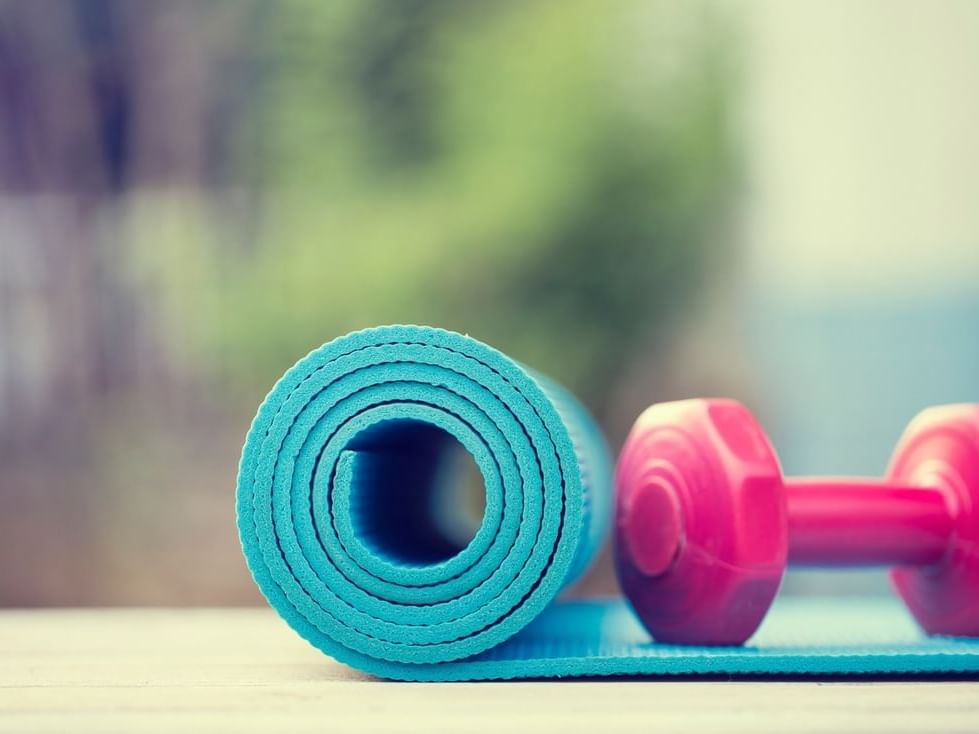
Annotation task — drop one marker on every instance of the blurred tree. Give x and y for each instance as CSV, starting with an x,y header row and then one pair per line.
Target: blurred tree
x,y
542,175
193,195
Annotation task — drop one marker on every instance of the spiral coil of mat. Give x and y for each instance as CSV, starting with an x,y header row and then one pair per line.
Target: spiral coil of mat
x,y
336,481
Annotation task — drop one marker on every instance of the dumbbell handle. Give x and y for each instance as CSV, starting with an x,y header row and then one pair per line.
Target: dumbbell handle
x,y
866,522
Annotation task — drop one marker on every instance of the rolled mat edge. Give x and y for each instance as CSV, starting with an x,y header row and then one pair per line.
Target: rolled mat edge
x,y
337,457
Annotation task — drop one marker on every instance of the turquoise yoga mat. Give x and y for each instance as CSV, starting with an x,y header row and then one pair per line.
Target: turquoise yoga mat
x,y
341,511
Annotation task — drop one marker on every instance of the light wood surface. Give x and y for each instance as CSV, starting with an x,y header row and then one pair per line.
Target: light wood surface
x,y
243,670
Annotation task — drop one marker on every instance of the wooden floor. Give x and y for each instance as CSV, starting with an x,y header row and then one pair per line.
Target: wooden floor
x,y
244,671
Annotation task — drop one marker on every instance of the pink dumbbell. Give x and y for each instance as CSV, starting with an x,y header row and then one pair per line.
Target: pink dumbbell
x,y
706,523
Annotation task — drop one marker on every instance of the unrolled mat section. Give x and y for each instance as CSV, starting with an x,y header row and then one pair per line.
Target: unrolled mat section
x,y
346,504
354,530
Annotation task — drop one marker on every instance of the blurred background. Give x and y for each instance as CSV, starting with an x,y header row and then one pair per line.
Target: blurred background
x,y
647,200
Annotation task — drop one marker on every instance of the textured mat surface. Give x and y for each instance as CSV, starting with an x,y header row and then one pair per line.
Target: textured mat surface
x,y
338,498
800,637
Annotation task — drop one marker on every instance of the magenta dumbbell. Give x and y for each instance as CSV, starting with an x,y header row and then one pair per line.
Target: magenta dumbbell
x,y
706,523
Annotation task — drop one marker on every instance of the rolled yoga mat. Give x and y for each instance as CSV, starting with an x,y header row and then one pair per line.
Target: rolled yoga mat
x,y
340,472
343,520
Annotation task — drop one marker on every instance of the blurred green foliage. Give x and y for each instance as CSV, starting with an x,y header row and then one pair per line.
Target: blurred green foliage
x,y
195,194
547,177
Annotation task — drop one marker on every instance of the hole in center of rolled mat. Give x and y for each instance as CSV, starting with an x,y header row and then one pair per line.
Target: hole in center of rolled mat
x,y
417,497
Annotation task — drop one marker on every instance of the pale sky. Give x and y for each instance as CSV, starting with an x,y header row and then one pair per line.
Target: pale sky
x,y
862,129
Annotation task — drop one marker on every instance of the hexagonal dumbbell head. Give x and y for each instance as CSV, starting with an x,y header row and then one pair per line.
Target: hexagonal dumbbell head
x,y
940,448
701,539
